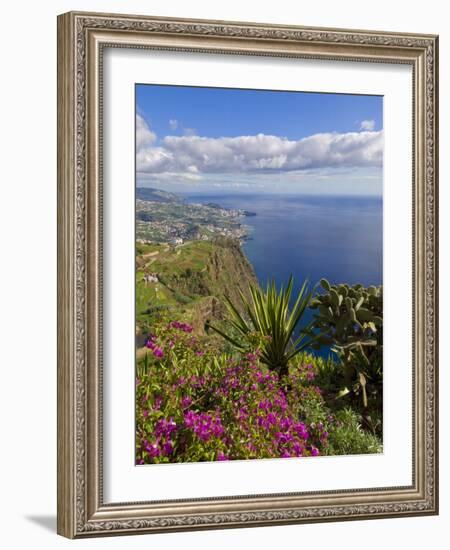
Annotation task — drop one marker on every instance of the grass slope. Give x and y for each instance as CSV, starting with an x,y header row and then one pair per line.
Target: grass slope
x,y
192,279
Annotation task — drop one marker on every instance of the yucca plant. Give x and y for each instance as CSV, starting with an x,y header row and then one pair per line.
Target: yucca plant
x,y
268,315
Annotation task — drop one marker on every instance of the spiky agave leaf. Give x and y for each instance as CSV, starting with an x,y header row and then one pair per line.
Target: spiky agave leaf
x,y
268,313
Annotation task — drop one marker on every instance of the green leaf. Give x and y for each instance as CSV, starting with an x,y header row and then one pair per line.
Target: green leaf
x,y
342,393
269,313
325,312
359,303
325,285
364,315
352,315
334,296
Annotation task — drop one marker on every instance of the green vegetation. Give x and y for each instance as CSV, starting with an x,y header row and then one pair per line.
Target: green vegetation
x,y
349,318
203,398
188,280
196,403
268,316
253,386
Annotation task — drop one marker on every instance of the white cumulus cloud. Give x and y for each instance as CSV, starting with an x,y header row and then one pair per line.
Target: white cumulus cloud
x,y
367,125
254,154
144,136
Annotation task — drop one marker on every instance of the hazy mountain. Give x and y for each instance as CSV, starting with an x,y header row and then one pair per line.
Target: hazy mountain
x,y
156,195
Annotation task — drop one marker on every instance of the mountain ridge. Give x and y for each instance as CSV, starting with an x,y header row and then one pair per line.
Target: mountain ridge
x,y
157,195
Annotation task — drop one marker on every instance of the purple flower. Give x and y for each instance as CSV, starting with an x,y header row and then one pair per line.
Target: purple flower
x,y
221,456
283,438
151,341
204,425
298,449
158,403
181,381
242,413
163,428
189,418
285,423
158,352
186,401
181,326
168,448
301,430
152,449
314,451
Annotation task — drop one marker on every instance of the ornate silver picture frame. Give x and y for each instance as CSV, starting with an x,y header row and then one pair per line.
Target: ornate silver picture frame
x,y
82,40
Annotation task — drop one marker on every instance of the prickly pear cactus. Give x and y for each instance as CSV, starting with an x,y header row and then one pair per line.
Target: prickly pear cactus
x,y
350,319
348,314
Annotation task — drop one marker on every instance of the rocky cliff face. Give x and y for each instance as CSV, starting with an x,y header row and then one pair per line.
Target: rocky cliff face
x,y
227,272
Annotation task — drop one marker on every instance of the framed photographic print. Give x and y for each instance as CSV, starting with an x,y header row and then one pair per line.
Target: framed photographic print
x,y
247,286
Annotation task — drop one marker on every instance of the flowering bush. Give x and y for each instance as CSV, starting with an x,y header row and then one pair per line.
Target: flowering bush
x,y
193,405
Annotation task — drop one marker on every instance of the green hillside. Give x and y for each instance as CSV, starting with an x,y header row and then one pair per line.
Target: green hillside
x,y
188,281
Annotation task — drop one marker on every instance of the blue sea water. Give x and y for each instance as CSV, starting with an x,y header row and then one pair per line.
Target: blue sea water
x,y
339,238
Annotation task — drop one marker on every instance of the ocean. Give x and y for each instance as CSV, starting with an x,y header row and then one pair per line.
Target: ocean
x,y
339,238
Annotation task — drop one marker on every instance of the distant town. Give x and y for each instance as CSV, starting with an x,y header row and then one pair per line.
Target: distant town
x,y
166,218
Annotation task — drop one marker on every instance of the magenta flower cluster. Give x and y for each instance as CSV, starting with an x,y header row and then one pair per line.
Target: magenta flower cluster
x,y
157,350
204,425
181,326
162,444
193,407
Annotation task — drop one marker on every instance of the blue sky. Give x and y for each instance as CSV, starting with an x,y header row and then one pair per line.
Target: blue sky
x,y
196,139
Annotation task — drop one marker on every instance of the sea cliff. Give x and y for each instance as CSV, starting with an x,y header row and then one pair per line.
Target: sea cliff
x,y
189,280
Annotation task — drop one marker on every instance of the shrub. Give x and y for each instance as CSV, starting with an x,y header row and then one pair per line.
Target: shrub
x,y
194,406
181,298
270,316
347,436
